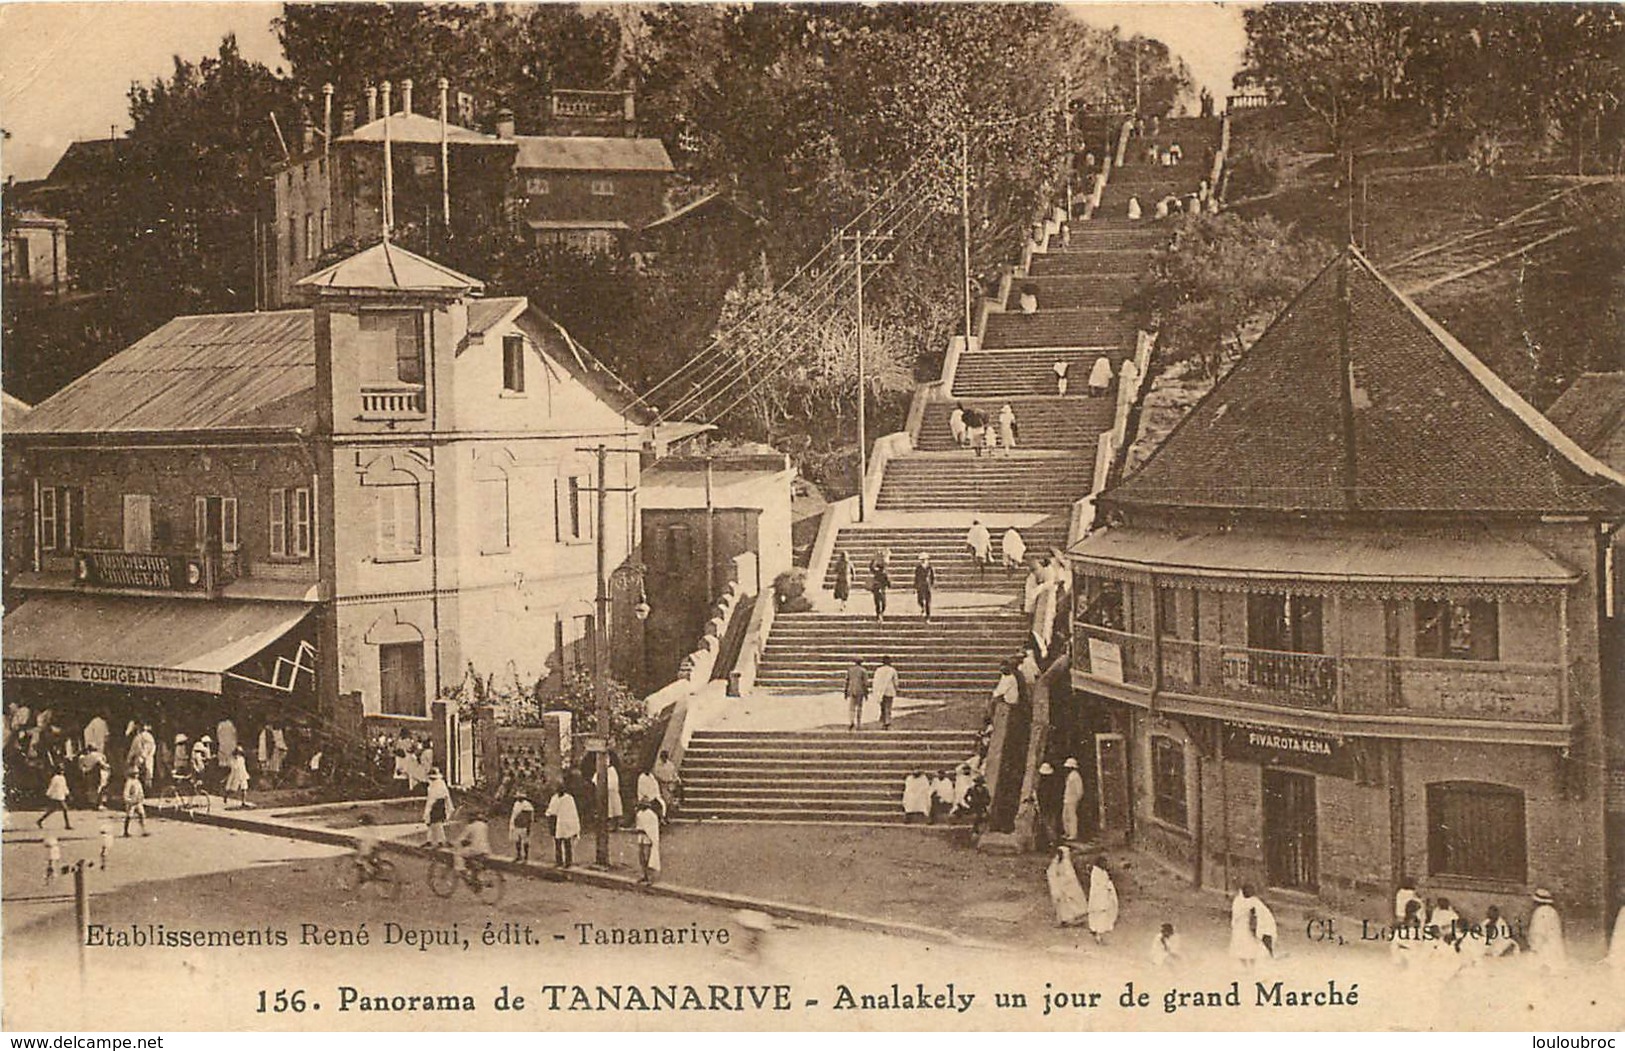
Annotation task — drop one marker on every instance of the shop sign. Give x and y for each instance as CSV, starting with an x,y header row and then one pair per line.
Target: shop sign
x,y
150,572
112,674
1105,660
1284,746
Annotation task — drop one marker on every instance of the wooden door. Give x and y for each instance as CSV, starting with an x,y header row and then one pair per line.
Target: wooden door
x,y
1111,773
1291,840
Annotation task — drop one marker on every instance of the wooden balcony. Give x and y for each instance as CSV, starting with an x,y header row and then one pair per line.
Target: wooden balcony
x,y
1337,693
405,401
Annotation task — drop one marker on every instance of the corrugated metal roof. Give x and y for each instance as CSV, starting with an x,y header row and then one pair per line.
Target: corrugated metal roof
x,y
388,267
1298,557
577,224
415,127
591,153
209,372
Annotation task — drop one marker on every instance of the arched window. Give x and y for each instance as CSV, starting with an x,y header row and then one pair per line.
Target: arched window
x,y
1477,830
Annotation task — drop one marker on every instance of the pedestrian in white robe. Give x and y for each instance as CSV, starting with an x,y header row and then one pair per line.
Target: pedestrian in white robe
x,y
1012,548
1007,426
1065,892
1029,589
956,425
980,542
916,797
1102,901
1071,800
647,822
1043,623
617,806
1100,376
1133,207
566,826
1268,936
1243,926
1546,932
1060,368
1128,375
437,809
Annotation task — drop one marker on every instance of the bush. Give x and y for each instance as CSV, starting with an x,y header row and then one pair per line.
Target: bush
x,y
1252,175
790,591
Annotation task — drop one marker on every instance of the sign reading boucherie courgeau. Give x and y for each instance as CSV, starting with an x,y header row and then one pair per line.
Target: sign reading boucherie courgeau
x,y
112,674
1284,746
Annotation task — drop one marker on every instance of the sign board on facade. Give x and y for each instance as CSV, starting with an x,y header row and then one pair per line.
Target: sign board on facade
x,y
113,675
1284,746
128,569
1105,660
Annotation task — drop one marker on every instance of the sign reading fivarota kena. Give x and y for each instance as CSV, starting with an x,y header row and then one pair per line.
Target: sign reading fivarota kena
x,y
1269,745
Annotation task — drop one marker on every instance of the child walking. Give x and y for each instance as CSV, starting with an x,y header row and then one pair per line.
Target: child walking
x,y
237,779
520,820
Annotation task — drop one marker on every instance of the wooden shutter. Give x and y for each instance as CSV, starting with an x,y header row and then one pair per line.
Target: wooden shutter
x,y
301,523
200,518
228,523
47,519
279,522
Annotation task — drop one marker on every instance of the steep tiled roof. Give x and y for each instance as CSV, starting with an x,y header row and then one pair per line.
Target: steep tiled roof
x,y
591,153
483,314
416,127
389,268
1592,409
12,411
211,372
1416,423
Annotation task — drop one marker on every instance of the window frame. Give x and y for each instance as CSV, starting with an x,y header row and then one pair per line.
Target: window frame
x,y
49,527
1170,791
373,321
513,363
289,524
388,502
602,187
1444,854
1484,624
538,186
493,516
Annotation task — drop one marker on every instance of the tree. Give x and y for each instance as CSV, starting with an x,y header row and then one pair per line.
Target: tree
x,y
1219,281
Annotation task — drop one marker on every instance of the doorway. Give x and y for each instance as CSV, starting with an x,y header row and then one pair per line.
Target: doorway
x,y
1291,841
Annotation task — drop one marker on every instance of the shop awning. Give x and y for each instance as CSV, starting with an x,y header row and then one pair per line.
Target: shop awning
x,y
1427,560
171,644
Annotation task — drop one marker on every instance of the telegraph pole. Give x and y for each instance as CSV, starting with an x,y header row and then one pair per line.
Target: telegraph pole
x,y
600,642
861,260
964,222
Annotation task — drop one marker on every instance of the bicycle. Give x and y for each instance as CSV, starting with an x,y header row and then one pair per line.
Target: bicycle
x,y
487,884
378,873
184,795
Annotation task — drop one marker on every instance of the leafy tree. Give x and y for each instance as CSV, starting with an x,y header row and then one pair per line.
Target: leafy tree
x,y
1219,281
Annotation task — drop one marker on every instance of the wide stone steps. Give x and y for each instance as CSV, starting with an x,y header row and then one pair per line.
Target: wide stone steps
x,y
1001,372
1042,422
1084,291
828,776
987,485
956,571
955,656
1121,262
1057,328
1090,237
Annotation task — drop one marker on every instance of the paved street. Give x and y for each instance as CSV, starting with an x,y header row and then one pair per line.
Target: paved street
x,y
191,877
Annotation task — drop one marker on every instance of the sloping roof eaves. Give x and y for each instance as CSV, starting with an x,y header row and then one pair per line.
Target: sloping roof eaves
x,y
418,128
214,372
1591,410
591,153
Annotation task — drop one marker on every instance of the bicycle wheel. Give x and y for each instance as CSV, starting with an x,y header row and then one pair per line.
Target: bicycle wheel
x,y
197,803
489,885
442,877
171,801
384,879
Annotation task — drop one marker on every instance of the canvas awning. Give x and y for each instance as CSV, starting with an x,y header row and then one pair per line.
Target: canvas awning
x,y
1404,560
172,644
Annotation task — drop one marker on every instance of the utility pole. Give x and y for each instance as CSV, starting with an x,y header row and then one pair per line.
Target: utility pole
x,y
860,260
1137,43
445,159
710,538
964,220
600,641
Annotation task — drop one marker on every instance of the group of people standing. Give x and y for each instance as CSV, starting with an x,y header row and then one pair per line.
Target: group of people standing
x,y
880,581
972,429
1073,908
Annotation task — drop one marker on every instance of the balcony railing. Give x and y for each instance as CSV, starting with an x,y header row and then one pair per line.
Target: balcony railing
x,y
403,402
1314,682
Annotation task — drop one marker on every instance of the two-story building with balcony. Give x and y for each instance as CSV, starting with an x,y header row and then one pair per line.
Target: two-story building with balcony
x,y
323,513
1342,627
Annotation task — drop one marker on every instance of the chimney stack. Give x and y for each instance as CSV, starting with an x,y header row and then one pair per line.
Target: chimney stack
x,y
307,136
372,104
629,105
406,95
383,97
504,123
327,116
346,120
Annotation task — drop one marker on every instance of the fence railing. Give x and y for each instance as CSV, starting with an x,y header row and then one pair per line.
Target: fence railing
x,y
1348,684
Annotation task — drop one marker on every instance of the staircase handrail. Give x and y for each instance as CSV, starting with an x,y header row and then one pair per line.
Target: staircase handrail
x,y
886,448
1122,142
756,632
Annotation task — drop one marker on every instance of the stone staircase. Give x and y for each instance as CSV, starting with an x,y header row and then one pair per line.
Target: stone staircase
x,y
826,776
1125,262
1058,328
1099,291
996,372
1042,422
954,658
1023,481
946,546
